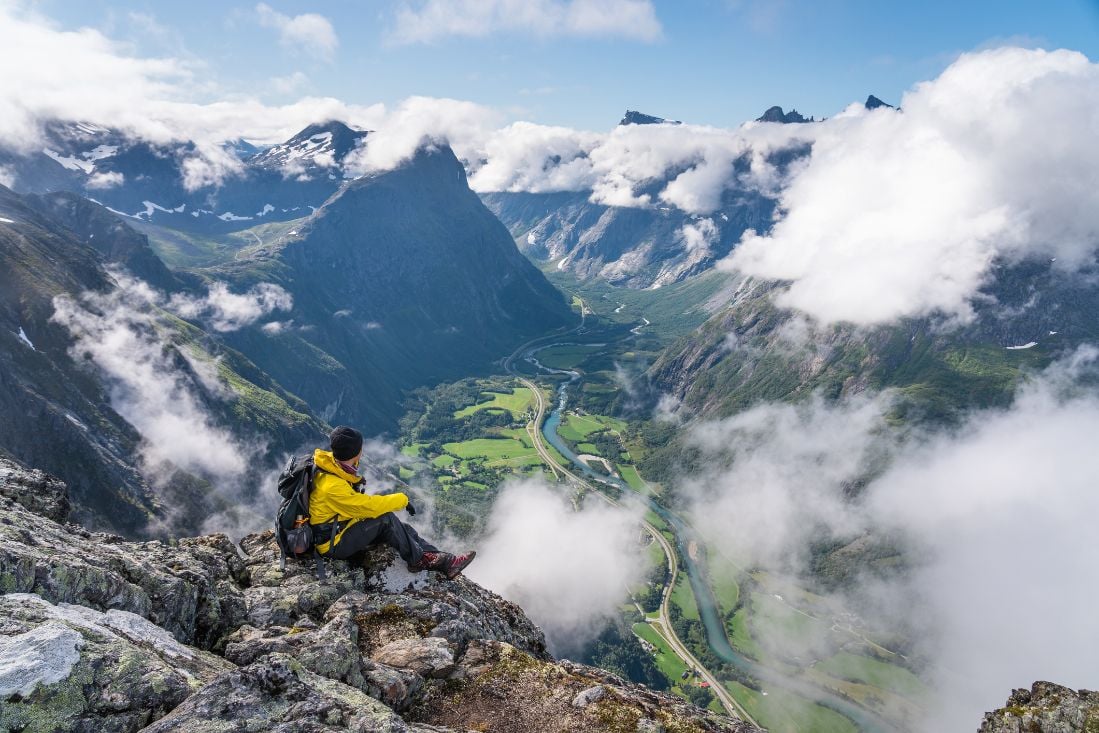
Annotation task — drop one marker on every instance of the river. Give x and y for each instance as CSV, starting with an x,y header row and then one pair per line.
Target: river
x,y
716,636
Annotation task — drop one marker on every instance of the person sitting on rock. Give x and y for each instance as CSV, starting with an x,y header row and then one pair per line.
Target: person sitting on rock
x,y
362,519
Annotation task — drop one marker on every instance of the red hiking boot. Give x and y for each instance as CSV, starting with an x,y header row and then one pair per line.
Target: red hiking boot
x,y
457,564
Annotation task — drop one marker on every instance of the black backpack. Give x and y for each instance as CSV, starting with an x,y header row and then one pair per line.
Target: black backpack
x,y
293,532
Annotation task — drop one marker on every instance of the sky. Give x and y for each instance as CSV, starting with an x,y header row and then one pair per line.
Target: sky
x,y
578,63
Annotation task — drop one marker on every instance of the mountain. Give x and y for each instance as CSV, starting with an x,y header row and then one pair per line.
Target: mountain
x,y
873,102
60,405
775,114
183,186
402,279
1028,314
640,118
201,634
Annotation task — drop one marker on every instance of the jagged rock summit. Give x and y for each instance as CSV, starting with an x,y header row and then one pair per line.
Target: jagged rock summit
x,y
775,114
873,102
199,634
633,117
1045,708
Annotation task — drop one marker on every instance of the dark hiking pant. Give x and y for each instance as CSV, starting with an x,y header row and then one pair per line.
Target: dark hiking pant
x,y
386,528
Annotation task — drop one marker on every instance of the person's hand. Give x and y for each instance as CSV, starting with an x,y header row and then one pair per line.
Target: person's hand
x,y
410,509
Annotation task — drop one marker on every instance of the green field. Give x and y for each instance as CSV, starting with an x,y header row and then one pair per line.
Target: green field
x,y
684,597
671,665
490,448
576,428
781,712
516,403
876,673
567,356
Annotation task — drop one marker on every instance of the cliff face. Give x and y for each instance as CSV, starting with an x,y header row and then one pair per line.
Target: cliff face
x,y
1045,708
199,634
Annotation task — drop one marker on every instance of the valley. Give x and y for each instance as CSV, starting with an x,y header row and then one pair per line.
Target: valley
x,y
714,628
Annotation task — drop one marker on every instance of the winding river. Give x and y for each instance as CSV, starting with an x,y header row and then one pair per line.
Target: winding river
x,y
865,720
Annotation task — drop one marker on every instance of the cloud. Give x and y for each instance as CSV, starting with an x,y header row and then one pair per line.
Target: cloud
x,y
120,334
226,311
309,32
996,517
420,121
83,75
290,83
425,22
903,213
527,157
105,179
698,235
568,569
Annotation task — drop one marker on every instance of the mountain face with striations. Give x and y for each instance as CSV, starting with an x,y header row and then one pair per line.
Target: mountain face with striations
x,y
633,247
199,634
402,279
183,185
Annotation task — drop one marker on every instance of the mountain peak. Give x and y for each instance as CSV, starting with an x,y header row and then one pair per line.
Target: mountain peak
x,y
632,117
873,102
775,114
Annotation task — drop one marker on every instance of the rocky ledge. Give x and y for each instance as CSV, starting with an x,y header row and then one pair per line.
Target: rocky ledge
x,y
101,634
1046,708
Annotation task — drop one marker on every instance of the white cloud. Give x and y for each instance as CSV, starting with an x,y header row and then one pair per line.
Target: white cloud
x,y
996,515
418,121
105,179
424,22
698,235
50,73
119,333
226,311
289,83
309,32
902,213
527,157
7,176
568,569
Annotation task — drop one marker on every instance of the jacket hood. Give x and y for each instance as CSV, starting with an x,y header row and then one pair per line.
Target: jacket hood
x,y
324,460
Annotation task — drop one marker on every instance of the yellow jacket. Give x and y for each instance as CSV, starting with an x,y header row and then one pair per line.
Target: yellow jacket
x,y
334,498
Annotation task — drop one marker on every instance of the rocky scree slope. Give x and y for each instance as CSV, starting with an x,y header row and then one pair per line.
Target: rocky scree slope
x,y
199,634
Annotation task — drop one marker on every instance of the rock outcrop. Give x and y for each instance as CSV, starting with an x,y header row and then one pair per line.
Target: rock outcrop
x,y
200,634
1045,708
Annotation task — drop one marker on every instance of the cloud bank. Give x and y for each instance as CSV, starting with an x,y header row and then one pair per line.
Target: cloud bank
x,y
119,333
903,213
568,569
431,20
996,514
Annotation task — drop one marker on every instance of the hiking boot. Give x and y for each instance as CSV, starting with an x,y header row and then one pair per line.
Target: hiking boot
x,y
428,561
457,564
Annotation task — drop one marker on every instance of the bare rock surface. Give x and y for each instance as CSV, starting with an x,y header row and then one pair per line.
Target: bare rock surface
x,y
1045,708
101,634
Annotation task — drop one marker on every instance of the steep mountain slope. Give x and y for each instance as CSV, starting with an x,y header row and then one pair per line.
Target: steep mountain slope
x,y
402,279
635,247
1027,315
630,247
61,405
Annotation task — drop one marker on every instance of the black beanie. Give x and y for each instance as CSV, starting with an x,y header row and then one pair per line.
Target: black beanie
x,y
346,443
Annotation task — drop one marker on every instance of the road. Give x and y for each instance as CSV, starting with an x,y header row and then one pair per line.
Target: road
x,y
662,624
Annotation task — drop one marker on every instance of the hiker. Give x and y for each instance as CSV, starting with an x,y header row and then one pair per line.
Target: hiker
x,y
362,519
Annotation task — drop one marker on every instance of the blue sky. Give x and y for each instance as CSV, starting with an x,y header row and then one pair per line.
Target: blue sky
x,y
716,62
